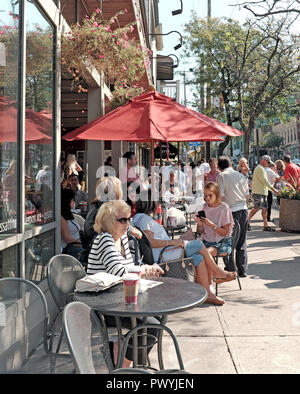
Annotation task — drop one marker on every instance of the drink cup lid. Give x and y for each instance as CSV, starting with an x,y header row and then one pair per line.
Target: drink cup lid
x,y
135,268
131,276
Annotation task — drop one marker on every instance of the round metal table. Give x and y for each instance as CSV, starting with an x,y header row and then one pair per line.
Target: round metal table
x,y
171,296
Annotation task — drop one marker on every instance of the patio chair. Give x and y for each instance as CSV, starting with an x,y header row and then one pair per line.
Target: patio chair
x,y
235,237
88,342
63,271
24,305
79,220
145,248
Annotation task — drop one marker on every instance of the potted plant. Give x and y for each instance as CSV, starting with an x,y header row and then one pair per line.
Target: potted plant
x,y
289,215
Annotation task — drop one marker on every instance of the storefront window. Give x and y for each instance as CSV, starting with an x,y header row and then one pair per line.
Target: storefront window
x,y
9,262
9,30
39,251
38,123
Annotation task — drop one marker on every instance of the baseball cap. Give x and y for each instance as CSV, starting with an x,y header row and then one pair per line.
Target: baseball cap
x,y
267,158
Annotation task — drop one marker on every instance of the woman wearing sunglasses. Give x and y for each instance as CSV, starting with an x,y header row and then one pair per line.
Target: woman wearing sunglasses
x,y
217,222
110,249
110,253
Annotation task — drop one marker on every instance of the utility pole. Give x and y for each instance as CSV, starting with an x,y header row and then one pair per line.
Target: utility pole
x,y
207,144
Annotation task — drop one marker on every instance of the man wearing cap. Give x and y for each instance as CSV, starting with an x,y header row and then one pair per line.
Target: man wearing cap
x,y
260,187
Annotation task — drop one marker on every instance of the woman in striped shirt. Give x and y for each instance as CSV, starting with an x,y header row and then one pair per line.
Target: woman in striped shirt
x,y
110,253
110,250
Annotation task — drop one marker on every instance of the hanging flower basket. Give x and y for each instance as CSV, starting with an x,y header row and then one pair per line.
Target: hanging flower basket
x,y
107,47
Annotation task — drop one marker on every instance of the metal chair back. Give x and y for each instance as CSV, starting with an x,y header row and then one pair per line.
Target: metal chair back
x,y
22,305
79,220
62,274
87,339
145,248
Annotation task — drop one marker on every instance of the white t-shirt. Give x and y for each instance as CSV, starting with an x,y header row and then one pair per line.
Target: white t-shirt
x,y
146,222
271,175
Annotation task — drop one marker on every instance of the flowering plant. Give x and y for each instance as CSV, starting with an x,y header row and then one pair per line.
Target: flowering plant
x,y
289,193
106,46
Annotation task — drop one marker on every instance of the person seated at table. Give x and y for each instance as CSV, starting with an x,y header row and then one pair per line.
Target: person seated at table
x,y
109,254
218,222
70,230
205,265
107,188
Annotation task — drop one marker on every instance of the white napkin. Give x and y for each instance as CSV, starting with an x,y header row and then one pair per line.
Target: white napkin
x,y
146,284
97,282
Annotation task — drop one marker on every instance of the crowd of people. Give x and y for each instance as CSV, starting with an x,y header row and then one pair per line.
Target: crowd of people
x,y
113,217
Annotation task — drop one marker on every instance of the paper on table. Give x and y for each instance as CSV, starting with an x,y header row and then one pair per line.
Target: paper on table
x,y
97,282
146,284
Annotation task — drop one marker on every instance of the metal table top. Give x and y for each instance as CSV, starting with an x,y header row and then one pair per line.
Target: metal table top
x,y
172,296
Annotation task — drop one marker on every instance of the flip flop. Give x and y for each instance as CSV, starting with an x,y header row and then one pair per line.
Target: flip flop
x,y
230,276
268,229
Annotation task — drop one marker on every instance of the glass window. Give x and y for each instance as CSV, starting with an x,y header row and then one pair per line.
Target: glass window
x,y
9,30
39,251
9,262
38,123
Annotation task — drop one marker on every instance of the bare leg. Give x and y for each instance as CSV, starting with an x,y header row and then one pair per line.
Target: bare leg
x,y
202,279
264,212
252,213
126,363
216,271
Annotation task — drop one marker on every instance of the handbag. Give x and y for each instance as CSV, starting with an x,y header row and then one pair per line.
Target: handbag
x,y
78,252
181,268
188,235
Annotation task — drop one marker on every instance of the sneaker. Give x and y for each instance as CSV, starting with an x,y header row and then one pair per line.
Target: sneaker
x,y
249,227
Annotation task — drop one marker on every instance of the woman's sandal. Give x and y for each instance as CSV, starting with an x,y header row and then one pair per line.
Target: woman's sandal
x,y
268,228
230,276
214,300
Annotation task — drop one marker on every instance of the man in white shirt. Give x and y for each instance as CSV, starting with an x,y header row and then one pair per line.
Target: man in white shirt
x,y
272,178
235,192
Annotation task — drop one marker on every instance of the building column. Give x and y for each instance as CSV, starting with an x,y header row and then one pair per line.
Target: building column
x,y
94,149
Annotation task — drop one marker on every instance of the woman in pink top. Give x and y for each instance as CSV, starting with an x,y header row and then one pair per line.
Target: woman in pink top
x,y
214,172
218,222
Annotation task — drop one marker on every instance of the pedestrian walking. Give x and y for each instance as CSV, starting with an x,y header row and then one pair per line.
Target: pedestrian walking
x,y
272,178
260,187
235,193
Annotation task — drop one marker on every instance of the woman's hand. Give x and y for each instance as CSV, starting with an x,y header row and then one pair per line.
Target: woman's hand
x,y
207,222
177,242
136,233
151,270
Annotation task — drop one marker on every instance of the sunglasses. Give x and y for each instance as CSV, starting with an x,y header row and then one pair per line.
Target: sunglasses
x,y
124,220
208,195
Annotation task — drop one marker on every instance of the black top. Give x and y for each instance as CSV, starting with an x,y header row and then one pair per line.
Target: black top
x,y
172,296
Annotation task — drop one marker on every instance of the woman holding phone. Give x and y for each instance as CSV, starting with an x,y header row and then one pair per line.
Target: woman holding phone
x,y
215,221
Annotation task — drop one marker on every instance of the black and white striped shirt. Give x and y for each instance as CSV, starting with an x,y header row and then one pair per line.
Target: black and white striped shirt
x,y
105,257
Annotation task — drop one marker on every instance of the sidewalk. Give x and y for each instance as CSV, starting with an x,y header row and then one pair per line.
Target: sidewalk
x,y
257,330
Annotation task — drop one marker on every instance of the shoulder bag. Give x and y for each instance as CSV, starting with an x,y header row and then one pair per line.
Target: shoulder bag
x,y
181,268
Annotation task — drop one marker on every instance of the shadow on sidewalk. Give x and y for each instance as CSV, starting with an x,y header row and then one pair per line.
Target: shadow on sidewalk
x,y
285,273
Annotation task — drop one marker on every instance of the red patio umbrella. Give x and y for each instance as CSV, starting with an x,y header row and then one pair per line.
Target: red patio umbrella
x,y
34,131
153,116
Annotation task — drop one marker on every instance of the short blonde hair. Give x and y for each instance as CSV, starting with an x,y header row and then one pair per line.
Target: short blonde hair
x,y
107,215
109,188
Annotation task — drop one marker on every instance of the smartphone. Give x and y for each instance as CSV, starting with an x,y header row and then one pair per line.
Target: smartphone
x,y
201,214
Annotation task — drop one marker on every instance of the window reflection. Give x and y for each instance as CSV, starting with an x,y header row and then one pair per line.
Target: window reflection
x,y
38,119
8,262
39,251
9,29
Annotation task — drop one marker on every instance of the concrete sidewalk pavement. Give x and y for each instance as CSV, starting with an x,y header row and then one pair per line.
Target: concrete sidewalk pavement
x,y
257,330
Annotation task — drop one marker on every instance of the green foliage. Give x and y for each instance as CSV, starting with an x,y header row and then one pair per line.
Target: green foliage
x,y
250,69
106,46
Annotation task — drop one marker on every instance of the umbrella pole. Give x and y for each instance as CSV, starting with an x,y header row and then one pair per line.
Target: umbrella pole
x,y
167,151
152,153
160,154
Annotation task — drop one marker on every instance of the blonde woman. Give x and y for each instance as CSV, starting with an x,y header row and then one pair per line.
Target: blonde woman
x,y
110,253
243,166
110,250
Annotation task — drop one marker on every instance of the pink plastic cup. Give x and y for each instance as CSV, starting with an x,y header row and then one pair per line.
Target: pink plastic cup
x,y
131,288
135,269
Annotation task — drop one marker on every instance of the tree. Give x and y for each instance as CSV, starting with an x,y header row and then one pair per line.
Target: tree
x,y
253,69
273,141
